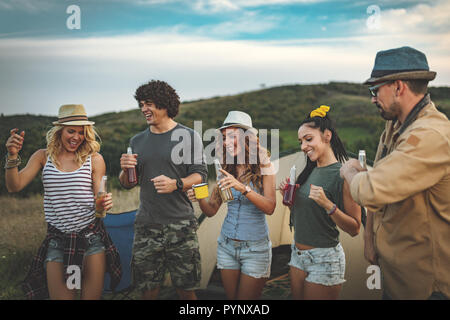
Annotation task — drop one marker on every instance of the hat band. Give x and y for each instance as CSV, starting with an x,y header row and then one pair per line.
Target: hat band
x,y
72,118
232,123
382,73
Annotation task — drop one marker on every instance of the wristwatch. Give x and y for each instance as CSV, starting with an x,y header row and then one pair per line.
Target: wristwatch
x,y
180,184
247,190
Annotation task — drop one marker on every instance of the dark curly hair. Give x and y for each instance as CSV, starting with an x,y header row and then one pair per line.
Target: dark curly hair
x,y
161,94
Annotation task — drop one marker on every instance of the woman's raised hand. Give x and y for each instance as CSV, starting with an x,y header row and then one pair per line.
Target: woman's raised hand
x,y
317,194
15,142
282,186
229,181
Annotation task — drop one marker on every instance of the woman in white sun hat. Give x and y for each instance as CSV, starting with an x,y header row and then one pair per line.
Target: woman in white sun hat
x,y
72,170
244,250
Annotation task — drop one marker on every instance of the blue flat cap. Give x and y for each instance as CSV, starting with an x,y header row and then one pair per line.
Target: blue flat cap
x,y
403,63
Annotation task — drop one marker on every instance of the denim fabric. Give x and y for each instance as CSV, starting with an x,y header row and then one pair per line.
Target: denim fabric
x,y
244,221
324,266
55,250
253,258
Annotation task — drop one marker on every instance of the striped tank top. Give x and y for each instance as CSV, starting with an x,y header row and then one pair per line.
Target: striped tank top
x,y
68,197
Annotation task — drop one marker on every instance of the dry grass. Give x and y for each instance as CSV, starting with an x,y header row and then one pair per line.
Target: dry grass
x,y
23,228
22,223
125,200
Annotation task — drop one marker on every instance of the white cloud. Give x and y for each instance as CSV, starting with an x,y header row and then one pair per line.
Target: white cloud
x,y
31,6
247,23
103,72
255,3
214,6
420,19
217,6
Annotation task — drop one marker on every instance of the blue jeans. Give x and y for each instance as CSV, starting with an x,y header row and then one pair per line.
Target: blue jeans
x,y
55,250
325,266
253,258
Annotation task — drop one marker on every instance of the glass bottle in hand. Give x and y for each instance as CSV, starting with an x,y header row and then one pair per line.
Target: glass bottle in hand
x,y
225,194
362,159
289,191
132,178
100,211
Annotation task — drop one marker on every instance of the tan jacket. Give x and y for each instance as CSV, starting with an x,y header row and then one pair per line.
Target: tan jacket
x,y
409,191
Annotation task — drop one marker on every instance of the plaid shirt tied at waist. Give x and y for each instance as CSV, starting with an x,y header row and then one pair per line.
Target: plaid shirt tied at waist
x,y
75,244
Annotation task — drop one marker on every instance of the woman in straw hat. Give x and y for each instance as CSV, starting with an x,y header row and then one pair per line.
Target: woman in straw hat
x,y
321,204
244,250
72,170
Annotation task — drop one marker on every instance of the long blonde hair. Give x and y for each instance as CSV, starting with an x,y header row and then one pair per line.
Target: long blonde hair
x,y
87,148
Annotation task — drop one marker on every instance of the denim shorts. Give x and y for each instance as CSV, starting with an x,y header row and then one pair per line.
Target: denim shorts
x,y
324,266
253,258
55,251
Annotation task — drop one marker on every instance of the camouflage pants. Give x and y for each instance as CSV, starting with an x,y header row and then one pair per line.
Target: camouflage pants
x,y
173,247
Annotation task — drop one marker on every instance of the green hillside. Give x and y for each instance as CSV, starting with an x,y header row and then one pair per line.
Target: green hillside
x,y
357,120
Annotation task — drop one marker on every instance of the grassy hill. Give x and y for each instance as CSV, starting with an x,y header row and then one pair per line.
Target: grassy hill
x,y
357,120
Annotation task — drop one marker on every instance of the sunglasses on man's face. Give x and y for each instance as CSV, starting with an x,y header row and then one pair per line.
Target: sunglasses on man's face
x,y
374,89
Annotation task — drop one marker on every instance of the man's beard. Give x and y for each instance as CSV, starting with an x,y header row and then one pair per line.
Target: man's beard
x,y
385,114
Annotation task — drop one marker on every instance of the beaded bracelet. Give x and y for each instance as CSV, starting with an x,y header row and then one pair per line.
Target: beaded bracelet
x,y
12,163
333,210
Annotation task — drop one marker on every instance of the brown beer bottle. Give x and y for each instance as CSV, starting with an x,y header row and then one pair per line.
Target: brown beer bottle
x,y
289,192
132,178
100,211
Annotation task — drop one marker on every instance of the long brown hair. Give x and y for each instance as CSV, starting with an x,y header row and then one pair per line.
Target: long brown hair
x,y
254,160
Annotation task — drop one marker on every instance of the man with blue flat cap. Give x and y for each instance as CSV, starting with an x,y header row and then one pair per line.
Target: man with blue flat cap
x,y
407,192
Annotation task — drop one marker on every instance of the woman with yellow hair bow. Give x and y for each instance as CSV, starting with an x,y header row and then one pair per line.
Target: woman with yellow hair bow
x,y
319,112
321,204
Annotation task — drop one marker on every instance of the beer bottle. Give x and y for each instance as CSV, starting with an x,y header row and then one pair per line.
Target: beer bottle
x,y
100,212
289,192
225,194
362,158
132,178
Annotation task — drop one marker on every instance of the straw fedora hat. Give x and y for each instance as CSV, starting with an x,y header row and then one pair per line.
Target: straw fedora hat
x,y
403,63
238,119
72,115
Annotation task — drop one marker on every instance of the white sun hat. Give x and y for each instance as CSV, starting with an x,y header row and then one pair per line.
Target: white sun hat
x,y
238,119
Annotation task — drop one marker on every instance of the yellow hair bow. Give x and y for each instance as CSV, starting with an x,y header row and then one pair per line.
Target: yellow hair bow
x,y
320,112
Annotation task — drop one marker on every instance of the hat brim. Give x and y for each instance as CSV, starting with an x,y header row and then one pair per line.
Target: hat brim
x,y
74,123
255,131
410,75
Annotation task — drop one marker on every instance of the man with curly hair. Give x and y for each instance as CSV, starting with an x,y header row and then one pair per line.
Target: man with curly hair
x,y
165,235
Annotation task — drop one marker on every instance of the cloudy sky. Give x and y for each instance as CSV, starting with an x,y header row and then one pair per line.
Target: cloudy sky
x,y
51,53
